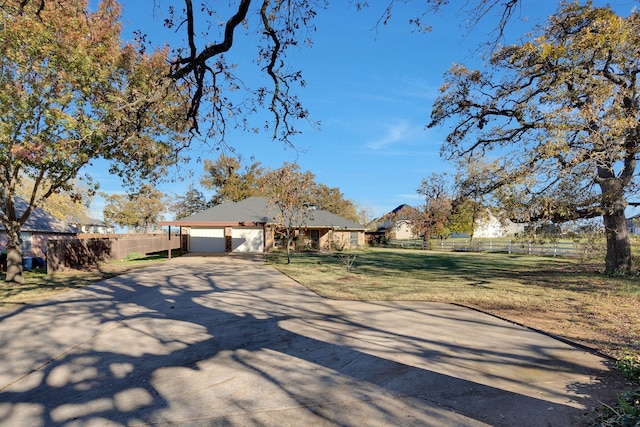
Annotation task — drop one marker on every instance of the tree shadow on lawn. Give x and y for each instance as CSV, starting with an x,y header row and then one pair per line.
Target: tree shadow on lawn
x,y
479,269
233,345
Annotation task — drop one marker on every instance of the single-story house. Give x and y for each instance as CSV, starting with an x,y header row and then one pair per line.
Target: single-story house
x,y
90,225
633,225
397,224
249,226
39,228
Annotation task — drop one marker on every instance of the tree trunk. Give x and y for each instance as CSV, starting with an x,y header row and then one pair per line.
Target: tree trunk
x,y
288,251
14,255
618,257
289,239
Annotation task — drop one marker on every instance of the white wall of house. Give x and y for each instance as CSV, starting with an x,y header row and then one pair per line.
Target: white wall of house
x,y
492,228
633,225
402,230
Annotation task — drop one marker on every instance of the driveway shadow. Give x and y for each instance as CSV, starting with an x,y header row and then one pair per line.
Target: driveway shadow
x,y
230,342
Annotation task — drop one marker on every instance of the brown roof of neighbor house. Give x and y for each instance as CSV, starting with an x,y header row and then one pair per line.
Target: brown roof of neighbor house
x,y
257,211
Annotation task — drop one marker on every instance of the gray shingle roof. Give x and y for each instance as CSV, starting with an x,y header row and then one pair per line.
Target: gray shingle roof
x,y
257,209
41,222
322,218
253,209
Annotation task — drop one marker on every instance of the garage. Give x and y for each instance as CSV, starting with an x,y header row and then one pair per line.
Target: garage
x,y
207,239
245,239
212,239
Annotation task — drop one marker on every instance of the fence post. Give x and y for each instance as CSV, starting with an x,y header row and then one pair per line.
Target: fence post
x,y
509,246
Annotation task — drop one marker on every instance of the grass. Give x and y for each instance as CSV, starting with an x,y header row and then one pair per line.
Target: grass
x,y
565,297
38,285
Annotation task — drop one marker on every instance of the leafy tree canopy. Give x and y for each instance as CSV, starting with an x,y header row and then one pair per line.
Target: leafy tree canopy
x,y
433,219
560,114
331,199
289,191
230,180
140,211
73,201
189,203
234,181
71,92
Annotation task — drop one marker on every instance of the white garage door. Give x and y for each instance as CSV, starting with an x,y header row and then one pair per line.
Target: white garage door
x,y
207,239
247,239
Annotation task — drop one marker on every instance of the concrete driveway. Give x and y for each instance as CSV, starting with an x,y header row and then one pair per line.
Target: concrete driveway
x,y
228,341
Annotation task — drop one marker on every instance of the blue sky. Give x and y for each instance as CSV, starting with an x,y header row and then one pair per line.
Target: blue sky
x,y
370,87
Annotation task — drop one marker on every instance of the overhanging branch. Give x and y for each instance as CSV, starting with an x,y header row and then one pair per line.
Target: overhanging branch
x,y
196,63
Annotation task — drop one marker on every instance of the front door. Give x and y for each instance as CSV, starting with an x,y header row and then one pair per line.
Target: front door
x,y
315,238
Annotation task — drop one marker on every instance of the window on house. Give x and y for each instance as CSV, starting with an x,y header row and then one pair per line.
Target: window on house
x,y
26,242
354,239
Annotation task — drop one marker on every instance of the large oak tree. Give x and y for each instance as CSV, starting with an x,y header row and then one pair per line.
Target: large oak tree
x,y
231,180
70,92
188,203
432,219
560,114
139,211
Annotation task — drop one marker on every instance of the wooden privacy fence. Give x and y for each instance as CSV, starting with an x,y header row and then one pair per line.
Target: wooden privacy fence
x,y
90,249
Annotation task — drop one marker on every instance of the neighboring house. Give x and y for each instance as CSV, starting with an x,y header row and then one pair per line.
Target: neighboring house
x,y
633,225
492,228
39,228
90,225
248,226
396,224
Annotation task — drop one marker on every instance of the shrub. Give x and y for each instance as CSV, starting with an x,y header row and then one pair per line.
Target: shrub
x,y
629,365
625,413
